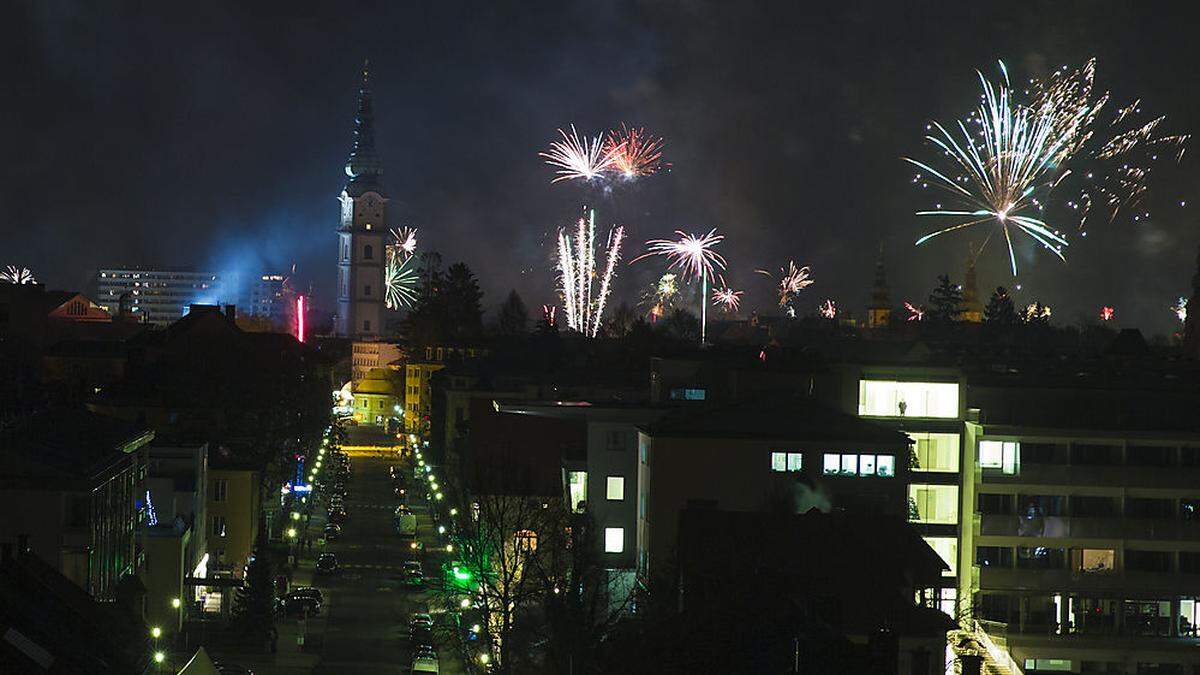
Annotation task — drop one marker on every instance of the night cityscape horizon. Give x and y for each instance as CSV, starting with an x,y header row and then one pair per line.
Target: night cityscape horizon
x,y
635,337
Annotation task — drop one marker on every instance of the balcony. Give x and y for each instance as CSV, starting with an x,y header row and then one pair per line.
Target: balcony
x,y
1083,527
1117,583
1181,477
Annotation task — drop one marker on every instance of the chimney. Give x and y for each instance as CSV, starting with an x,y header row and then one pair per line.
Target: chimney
x,y
231,312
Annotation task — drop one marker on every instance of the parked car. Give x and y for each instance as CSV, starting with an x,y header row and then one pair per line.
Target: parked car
x,y
327,563
424,664
338,516
421,619
425,652
309,591
231,668
332,531
301,604
421,636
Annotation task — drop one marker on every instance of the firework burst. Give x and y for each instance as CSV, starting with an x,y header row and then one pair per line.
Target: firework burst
x,y
634,153
792,280
915,312
694,256
400,282
17,275
404,239
1023,156
577,272
828,309
1107,313
727,298
660,297
1179,309
578,157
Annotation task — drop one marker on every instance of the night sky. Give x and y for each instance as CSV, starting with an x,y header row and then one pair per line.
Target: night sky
x,y
214,135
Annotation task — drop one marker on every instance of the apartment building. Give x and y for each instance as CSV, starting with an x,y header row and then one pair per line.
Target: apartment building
x,y
162,295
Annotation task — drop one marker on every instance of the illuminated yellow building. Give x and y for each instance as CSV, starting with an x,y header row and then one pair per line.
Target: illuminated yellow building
x,y
378,397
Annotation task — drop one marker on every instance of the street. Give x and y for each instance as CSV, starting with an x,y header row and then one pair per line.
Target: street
x,y
368,605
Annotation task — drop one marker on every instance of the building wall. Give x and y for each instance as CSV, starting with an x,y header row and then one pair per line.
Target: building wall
x,y
737,475
163,574
241,509
368,355
418,395
612,453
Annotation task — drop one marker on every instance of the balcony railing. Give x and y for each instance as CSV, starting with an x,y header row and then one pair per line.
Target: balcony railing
x,y
1117,582
1098,475
1115,527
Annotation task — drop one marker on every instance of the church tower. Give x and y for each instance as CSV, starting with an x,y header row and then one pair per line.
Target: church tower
x,y
362,230
972,307
879,313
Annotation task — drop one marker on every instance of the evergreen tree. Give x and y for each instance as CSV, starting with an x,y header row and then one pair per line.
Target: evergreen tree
x,y
1000,310
254,611
683,325
513,317
463,320
426,320
944,301
621,321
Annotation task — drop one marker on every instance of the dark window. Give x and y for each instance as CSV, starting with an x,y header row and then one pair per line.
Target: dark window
x,y
1097,507
1189,562
1088,454
1149,455
367,290
368,252
367,325
1041,558
1033,506
1139,507
1147,561
1040,453
1189,456
994,556
995,505
1189,509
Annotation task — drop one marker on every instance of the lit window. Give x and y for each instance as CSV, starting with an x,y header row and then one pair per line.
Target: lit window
x,y
885,398
866,465
1003,455
935,452
885,466
1093,560
831,465
614,540
577,486
849,465
684,394
933,504
787,461
947,549
614,489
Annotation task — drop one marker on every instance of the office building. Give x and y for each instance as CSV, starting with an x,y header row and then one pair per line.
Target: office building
x,y
161,295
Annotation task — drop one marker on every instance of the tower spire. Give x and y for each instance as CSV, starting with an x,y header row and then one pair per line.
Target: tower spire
x,y
880,310
363,166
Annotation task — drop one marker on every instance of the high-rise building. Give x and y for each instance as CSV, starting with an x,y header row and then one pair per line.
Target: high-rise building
x,y
361,232
163,294
271,298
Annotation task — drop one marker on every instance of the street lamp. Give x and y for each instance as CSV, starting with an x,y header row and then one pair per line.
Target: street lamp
x,y
291,533
454,512
438,496
441,529
159,657
484,658
176,603
464,603
156,632
295,515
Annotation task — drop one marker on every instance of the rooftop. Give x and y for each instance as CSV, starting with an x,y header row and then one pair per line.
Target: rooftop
x,y
774,418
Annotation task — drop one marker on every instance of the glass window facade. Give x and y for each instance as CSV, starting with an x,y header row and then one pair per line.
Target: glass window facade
x,y
947,548
935,452
787,461
1003,455
835,464
937,504
887,398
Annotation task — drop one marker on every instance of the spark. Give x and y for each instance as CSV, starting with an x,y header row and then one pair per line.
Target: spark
x,y
1017,157
1036,310
727,298
915,312
548,314
1107,313
828,309
578,157
792,280
661,295
17,275
634,153
577,273
400,280
1180,308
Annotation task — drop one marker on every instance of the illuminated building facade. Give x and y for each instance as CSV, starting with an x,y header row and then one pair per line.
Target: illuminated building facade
x,y
161,295
362,232
271,298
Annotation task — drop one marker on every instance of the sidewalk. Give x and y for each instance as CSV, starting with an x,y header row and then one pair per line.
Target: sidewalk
x,y
290,655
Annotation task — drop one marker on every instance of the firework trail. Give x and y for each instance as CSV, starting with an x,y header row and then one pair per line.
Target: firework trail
x,y
548,312
578,157
634,153
915,313
694,257
400,281
577,272
792,280
1179,309
828,309
1005,173
17,275
727,298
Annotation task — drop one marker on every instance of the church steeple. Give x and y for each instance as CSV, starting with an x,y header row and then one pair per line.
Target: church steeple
x,y
879,313
363,166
